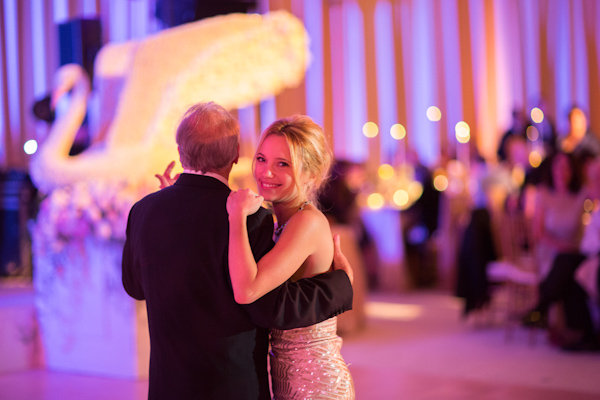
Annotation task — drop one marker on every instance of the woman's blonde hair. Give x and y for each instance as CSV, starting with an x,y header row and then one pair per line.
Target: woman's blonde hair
x,y
310,154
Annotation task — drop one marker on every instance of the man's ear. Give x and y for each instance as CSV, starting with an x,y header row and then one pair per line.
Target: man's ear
x,y
237,157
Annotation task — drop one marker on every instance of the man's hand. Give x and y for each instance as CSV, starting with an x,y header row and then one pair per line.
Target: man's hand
x,y
165,179
339,259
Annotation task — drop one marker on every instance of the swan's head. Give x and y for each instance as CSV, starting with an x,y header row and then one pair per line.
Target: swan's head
x,y
66,78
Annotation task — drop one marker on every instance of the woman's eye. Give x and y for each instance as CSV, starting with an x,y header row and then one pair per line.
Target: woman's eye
x,y
283,164
260,159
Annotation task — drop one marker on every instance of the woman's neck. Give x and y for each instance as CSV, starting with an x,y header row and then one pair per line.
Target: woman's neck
x,y
284,211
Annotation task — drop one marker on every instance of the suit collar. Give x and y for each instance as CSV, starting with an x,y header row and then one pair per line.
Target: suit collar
x,y
200,181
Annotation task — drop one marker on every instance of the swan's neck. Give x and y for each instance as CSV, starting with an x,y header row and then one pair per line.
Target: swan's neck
x,y
67,125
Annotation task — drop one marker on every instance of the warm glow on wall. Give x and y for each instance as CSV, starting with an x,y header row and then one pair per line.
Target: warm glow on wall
x,y
386,171
375,201
434,114
463,132
537,115
370,129
398,131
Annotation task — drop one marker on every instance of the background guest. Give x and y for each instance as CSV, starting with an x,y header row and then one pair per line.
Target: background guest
x,y
557,224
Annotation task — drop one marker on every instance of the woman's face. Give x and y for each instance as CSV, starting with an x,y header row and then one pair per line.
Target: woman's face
x,y
273,170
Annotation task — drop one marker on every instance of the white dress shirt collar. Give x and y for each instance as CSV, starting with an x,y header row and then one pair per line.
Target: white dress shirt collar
x,y
211,174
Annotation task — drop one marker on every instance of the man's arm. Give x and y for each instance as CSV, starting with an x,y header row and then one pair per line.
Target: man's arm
x,y
130,271
302,303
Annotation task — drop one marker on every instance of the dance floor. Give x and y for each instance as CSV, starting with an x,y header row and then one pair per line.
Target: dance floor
x,y
415,346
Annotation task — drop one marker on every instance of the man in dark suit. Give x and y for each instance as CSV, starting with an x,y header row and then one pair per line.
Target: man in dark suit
x,y
203,344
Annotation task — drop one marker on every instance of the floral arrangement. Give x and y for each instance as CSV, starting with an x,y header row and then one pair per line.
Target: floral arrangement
x,y
85,209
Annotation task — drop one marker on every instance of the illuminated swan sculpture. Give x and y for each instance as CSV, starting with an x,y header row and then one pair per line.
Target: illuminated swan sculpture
x,y
235,60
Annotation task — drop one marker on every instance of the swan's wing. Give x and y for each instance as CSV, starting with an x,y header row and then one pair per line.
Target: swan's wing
x,y
243,69
112,68
260,60
160,61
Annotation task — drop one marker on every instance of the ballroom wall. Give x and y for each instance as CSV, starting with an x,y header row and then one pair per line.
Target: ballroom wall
x,y
383,61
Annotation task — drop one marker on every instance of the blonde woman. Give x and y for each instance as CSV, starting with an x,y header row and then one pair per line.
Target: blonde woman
x,y
291,163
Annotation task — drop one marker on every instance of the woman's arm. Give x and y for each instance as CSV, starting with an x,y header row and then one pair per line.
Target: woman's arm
x,y
250,280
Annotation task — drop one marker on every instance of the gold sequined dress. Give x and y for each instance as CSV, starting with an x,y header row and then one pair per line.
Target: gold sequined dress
x,y
306,363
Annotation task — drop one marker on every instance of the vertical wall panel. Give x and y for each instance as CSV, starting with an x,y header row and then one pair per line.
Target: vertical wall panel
x,y
562,59
529,28
13,76
453,107
5,133
355,110
474,58
315,81
400,89
292,100
26,80
337,75
387,103
425,133
580,59
592,16
370,78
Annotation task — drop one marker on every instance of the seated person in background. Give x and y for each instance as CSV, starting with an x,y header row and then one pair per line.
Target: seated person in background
x,y
557,223
517,129
338,203
561,284
579,139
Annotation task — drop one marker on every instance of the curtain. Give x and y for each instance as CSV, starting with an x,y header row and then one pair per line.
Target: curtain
x,y
383,61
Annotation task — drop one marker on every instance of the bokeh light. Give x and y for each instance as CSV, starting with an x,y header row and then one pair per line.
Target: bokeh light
x,y
440,183
434,114
415,189
535,159
370,129
463,132
398,131
532,133
386,171
30,147
588,205
375,201
537,115
586,218
401,197
518,175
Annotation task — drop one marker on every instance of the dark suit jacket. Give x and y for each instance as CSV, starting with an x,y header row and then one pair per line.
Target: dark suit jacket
x,y
203,344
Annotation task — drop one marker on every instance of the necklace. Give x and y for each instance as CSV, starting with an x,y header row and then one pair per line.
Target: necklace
x,y
280,228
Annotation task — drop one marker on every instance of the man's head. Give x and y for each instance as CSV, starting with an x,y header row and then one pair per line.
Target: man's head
x,y
208,138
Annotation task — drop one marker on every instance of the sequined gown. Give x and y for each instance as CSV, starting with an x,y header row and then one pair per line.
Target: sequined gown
x,y
306,363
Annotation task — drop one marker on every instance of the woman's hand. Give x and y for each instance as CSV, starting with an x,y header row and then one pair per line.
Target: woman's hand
x,y
340,261
165,179
243,202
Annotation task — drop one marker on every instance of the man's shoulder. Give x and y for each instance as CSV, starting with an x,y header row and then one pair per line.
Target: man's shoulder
x,y
260,217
